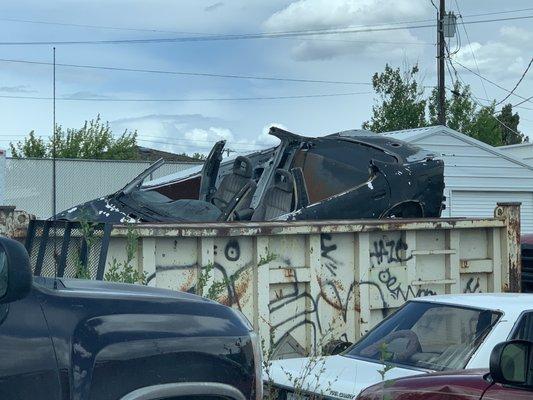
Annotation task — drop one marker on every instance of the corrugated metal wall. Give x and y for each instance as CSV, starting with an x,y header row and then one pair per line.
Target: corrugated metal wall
x,y
308,280
476,179
29,181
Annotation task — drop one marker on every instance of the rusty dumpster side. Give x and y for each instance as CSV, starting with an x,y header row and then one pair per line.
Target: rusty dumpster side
x,y
303,283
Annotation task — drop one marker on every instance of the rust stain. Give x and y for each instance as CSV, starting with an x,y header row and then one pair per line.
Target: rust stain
x,y
189,280
334,303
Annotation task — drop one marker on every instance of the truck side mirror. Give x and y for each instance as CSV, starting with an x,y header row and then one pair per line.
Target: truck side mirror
x,y
15,272
511,363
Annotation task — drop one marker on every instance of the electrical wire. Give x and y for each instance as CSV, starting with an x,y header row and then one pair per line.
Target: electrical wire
x,y
471,49
103,99
261,35
523,101
153,30
182,73
517,83
490,81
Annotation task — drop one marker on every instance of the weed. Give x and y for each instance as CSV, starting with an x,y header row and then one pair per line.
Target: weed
x,y
125,272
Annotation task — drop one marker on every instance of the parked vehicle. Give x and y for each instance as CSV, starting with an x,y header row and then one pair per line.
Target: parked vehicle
x,y
346,175
435,333
78,339
510,377
527,263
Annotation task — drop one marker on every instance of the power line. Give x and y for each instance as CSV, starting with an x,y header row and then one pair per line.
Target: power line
x,y
488,80
103,99
153,30
493,114
182,73
261,35
523,101
219,34
517,83
470,47
173,143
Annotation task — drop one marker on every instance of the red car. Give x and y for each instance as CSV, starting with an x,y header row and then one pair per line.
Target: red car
x,y
510,378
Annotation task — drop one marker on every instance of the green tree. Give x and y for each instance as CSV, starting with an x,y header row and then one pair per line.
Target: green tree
x,y
32,146
460,109
94,140
509,126
485,127
402,105
196,156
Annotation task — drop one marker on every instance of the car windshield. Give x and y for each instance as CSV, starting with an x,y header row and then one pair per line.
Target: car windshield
x,y
427,335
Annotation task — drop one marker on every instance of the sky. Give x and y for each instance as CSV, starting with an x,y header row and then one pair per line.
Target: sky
x,y
499,50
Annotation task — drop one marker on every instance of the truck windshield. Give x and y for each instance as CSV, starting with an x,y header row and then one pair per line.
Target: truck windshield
x,y
427,335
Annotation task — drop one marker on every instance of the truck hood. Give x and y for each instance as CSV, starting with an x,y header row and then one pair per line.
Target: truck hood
x,y
340,377
97,288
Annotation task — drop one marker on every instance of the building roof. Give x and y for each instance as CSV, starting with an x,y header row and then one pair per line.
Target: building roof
x,y
506,302
413,135
148,154
514,146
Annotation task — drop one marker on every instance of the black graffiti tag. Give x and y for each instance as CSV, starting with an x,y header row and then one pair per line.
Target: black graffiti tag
x,y
471,287
390,251
232,251
326,249
395,288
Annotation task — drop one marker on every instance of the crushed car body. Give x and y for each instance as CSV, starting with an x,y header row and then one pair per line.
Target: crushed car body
x,y
347,175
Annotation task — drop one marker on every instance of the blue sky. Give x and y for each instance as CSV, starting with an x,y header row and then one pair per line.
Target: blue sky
x,y
502,51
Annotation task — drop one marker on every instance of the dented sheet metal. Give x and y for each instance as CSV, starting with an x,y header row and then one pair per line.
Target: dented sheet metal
x,y
346,175
308,279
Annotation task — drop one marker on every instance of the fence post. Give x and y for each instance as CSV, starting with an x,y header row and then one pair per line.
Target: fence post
x,y
511,250
3,169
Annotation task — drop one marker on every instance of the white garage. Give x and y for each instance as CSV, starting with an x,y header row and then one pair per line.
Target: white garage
x,y
476,175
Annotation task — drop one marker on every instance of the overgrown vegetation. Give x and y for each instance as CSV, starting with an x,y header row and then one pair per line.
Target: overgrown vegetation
x,y
93,140
310,378
125,271
88,238
402,104
385,357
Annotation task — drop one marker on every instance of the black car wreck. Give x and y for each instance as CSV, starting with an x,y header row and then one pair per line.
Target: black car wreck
x,y
347,175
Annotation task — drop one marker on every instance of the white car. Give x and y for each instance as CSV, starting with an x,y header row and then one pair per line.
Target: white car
x,y
436,333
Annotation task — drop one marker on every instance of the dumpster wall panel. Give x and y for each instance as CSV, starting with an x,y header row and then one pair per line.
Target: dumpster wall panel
x,y
308,283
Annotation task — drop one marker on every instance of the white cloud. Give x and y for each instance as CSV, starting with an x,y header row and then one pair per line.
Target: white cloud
x,y
210,135
190,133
339,14
265,139
16,89
506,56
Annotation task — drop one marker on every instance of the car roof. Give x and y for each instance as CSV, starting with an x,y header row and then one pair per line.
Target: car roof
x,y
506,302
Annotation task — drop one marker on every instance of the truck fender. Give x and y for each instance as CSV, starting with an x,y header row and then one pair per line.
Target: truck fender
x,y
172,390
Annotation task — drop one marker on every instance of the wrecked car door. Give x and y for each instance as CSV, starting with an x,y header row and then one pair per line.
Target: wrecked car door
x,y
209,172
342,180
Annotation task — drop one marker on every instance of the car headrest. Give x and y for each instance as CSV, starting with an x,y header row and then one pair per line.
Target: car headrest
x,y
283,180
242,166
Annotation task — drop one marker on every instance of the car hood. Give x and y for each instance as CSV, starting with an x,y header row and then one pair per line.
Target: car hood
x,y
103,209
86,287
456,384
340,377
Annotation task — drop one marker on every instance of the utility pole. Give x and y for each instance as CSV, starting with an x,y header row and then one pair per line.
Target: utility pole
x,y
441,112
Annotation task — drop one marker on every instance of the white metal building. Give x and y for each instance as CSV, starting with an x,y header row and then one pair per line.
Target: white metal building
x,y
476,175
523,151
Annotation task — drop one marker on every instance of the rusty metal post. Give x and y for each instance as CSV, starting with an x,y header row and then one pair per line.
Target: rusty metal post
x,y
511,250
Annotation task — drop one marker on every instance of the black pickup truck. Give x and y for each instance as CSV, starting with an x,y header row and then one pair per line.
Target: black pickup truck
x,y
89,340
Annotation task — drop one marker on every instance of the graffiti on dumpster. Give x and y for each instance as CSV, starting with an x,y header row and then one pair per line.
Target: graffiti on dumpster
x,y
389,251
293,309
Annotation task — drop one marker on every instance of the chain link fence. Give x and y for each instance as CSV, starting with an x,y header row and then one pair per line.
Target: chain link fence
x,y
28,181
